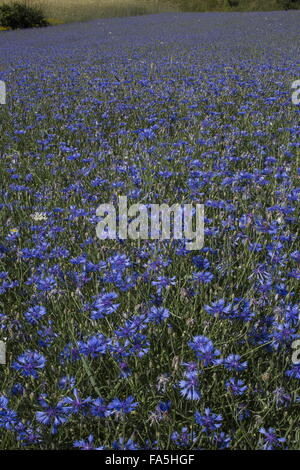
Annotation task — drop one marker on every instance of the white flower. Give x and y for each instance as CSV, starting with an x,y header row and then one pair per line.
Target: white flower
x,y
38,216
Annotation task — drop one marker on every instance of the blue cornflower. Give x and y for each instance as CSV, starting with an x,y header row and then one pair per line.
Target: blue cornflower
x,y
199,342
104,305
122,445
99,408
27,435
271,441
150,445
281,289
51,416
67,382
294,371
232,362
282,397
292,314
221,440
69,353
242,412
126,406
88,444
219,308
204,276
127,330
190,366
3,321
74,404
129,282
119,262
46,284
94,346
125,370
284,334
242,310
46,335
161,411
34,314
184,438
189,386
8,285
140,345
3,402
205,350
235,386
164,406
158,314
209,421
208,355
200,262
163,282
17,389
29,362
8,417
296,256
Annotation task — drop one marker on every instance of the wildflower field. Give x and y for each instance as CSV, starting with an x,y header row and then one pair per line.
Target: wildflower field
x,y
124,344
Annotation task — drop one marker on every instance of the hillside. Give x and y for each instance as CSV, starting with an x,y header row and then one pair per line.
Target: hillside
x,y
82,10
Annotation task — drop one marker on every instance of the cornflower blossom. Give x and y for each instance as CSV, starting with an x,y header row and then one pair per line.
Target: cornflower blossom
x,y
189,386
271,441
87,445
209,421
29,363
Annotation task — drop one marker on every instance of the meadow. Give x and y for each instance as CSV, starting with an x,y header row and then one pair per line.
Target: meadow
x,y
124,344
58,12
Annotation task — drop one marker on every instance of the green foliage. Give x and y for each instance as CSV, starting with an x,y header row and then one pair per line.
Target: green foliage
x,y
289,4
233,3
237,5
21,15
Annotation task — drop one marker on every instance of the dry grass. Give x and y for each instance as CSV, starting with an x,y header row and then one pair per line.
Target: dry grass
x,y
60,11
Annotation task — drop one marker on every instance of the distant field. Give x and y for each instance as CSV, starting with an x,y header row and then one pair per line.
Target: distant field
x,y
83,10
